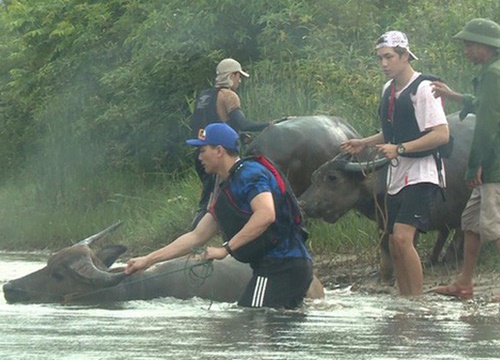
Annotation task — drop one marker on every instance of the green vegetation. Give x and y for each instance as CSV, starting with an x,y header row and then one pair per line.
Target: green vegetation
x,y
96,97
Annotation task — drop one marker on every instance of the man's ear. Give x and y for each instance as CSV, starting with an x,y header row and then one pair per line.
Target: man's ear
x,y
220,150
406,56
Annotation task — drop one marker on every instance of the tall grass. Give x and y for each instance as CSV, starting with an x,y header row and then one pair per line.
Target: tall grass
x,y
153,213
308,88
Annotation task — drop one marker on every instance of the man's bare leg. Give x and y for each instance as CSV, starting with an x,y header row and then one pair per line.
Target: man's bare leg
x,y
471,253
408,268
462,286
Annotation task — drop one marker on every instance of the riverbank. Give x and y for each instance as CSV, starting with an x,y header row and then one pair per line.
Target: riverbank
x,y
363,276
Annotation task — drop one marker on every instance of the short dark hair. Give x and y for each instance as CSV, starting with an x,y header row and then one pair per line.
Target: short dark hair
x,y
400,51
230,152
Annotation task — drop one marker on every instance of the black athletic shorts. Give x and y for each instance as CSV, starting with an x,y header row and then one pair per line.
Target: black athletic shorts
x,y
411,206
278,283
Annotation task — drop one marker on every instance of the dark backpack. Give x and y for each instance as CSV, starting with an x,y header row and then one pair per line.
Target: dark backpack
x,y
231,219
205,110
410,129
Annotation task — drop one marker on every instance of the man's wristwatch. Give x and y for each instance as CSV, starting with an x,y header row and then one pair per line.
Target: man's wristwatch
x,y
401,149
226,246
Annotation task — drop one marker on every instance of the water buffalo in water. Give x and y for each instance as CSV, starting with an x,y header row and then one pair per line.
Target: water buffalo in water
x,y
339,186
77,275
300,145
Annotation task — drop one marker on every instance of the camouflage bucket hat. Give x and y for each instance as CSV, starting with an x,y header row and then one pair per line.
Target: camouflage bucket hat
x,y
482,31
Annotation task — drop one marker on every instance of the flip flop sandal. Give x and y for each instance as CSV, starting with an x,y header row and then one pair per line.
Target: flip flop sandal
x,y
463,292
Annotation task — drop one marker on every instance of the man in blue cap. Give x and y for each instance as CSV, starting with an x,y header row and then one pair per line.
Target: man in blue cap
x,y
258,218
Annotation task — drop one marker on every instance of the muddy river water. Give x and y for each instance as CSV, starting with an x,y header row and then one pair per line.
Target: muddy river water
x,y
345,325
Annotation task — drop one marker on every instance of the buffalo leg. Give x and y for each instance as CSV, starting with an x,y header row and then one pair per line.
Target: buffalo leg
x,y
438,246
455,251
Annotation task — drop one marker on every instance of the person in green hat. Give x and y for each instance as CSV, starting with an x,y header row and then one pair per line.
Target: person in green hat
x,y
481,216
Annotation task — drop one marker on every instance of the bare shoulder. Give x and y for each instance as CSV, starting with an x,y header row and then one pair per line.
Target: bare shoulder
x,y
228,95
229,100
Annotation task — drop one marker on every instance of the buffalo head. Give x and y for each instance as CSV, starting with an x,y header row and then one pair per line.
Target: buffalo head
x,y
73,271
338,185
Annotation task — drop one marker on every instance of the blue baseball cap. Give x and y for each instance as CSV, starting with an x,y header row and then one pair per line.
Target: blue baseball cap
x,y
217,134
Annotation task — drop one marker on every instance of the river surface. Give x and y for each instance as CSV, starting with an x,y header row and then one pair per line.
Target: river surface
x,y
346,325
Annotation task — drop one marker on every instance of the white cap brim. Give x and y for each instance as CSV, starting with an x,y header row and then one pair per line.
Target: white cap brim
x,y
244,73
412,55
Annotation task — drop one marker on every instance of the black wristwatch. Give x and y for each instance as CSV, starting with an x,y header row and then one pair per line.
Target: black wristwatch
x,y
401,149
226,246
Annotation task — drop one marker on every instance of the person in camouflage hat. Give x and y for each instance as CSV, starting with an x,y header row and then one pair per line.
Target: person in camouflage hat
x,y
481,216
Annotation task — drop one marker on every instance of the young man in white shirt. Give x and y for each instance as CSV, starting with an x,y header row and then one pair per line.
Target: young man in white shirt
x,y
413,126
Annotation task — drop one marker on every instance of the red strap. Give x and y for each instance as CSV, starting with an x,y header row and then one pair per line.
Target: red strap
x,y
391,102
270,167
281,184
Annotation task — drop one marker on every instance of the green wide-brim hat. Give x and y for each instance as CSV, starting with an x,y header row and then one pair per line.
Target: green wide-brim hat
x,y
482,31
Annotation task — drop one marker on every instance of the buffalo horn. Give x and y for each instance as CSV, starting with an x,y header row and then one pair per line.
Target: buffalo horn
x,y
86,269
88,241
365,166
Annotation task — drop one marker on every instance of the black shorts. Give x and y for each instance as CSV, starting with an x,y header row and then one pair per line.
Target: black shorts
x,y
278,283
411,206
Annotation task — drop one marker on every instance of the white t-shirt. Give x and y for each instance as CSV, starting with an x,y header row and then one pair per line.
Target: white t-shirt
x,y
429,113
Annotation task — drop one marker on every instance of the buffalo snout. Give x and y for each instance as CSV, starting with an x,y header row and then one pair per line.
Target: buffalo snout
x,y
14,294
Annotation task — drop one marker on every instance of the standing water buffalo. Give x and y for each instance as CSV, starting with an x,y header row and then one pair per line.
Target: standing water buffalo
x,y
77,275
339,186
300,145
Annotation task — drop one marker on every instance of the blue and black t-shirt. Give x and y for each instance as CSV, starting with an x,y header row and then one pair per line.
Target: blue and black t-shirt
x,y
249,179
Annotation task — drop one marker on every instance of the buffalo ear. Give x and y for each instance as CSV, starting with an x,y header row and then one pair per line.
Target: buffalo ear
x,y
109,254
